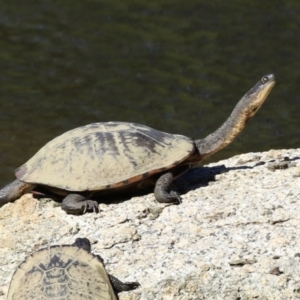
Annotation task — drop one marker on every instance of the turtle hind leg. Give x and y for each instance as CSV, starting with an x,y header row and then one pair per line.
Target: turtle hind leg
x,y
120,286
14,191
163,192
77,204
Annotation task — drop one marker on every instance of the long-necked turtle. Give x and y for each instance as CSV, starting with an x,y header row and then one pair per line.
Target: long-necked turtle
x,y
119,157
65,272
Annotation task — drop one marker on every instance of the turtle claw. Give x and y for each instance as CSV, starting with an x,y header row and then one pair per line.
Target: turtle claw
x,y
131,285
91,205
77,204
120,286
176,197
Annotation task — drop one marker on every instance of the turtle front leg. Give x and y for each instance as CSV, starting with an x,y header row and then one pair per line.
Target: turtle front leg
x,y
163,192
14,191
77,204
120,286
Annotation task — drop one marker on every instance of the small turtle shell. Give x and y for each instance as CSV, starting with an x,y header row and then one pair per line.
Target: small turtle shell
x,y
99,156
61,272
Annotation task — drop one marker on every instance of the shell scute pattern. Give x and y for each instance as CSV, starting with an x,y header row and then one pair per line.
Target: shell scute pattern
x,y
69,274
98,155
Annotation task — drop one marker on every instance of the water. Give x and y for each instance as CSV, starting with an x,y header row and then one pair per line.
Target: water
x,y
179,67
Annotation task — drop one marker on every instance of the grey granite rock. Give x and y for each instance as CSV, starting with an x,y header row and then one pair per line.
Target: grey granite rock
x,y
234,236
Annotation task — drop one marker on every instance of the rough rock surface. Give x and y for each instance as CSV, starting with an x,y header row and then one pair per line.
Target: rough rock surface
x,y
234,236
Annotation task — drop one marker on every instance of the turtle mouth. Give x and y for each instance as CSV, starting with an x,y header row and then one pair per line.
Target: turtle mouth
x,y
266,89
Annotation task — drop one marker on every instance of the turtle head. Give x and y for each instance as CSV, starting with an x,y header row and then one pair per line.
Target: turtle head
x,y
256,96
243,111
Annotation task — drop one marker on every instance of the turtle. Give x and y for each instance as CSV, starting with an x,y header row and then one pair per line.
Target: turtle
x,y
65,272
118,157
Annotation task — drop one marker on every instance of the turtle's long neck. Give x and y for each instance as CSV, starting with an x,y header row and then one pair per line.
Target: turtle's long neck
x,y
243,111
224,134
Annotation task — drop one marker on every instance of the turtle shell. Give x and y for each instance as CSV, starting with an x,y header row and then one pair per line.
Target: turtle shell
x,y
99,156
61,272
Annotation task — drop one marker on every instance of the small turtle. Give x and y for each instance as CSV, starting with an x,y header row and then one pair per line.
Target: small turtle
x,y
65,272
118,157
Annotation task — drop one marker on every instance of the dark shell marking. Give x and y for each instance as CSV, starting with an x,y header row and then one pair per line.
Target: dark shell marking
x,y
103,156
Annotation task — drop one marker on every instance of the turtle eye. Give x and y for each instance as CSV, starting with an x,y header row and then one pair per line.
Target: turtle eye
x,y
265,79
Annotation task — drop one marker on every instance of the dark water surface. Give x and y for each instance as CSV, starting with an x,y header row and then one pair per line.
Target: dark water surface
x,y
179,67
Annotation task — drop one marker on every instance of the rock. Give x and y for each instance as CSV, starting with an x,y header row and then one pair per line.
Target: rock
x,y
234,236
